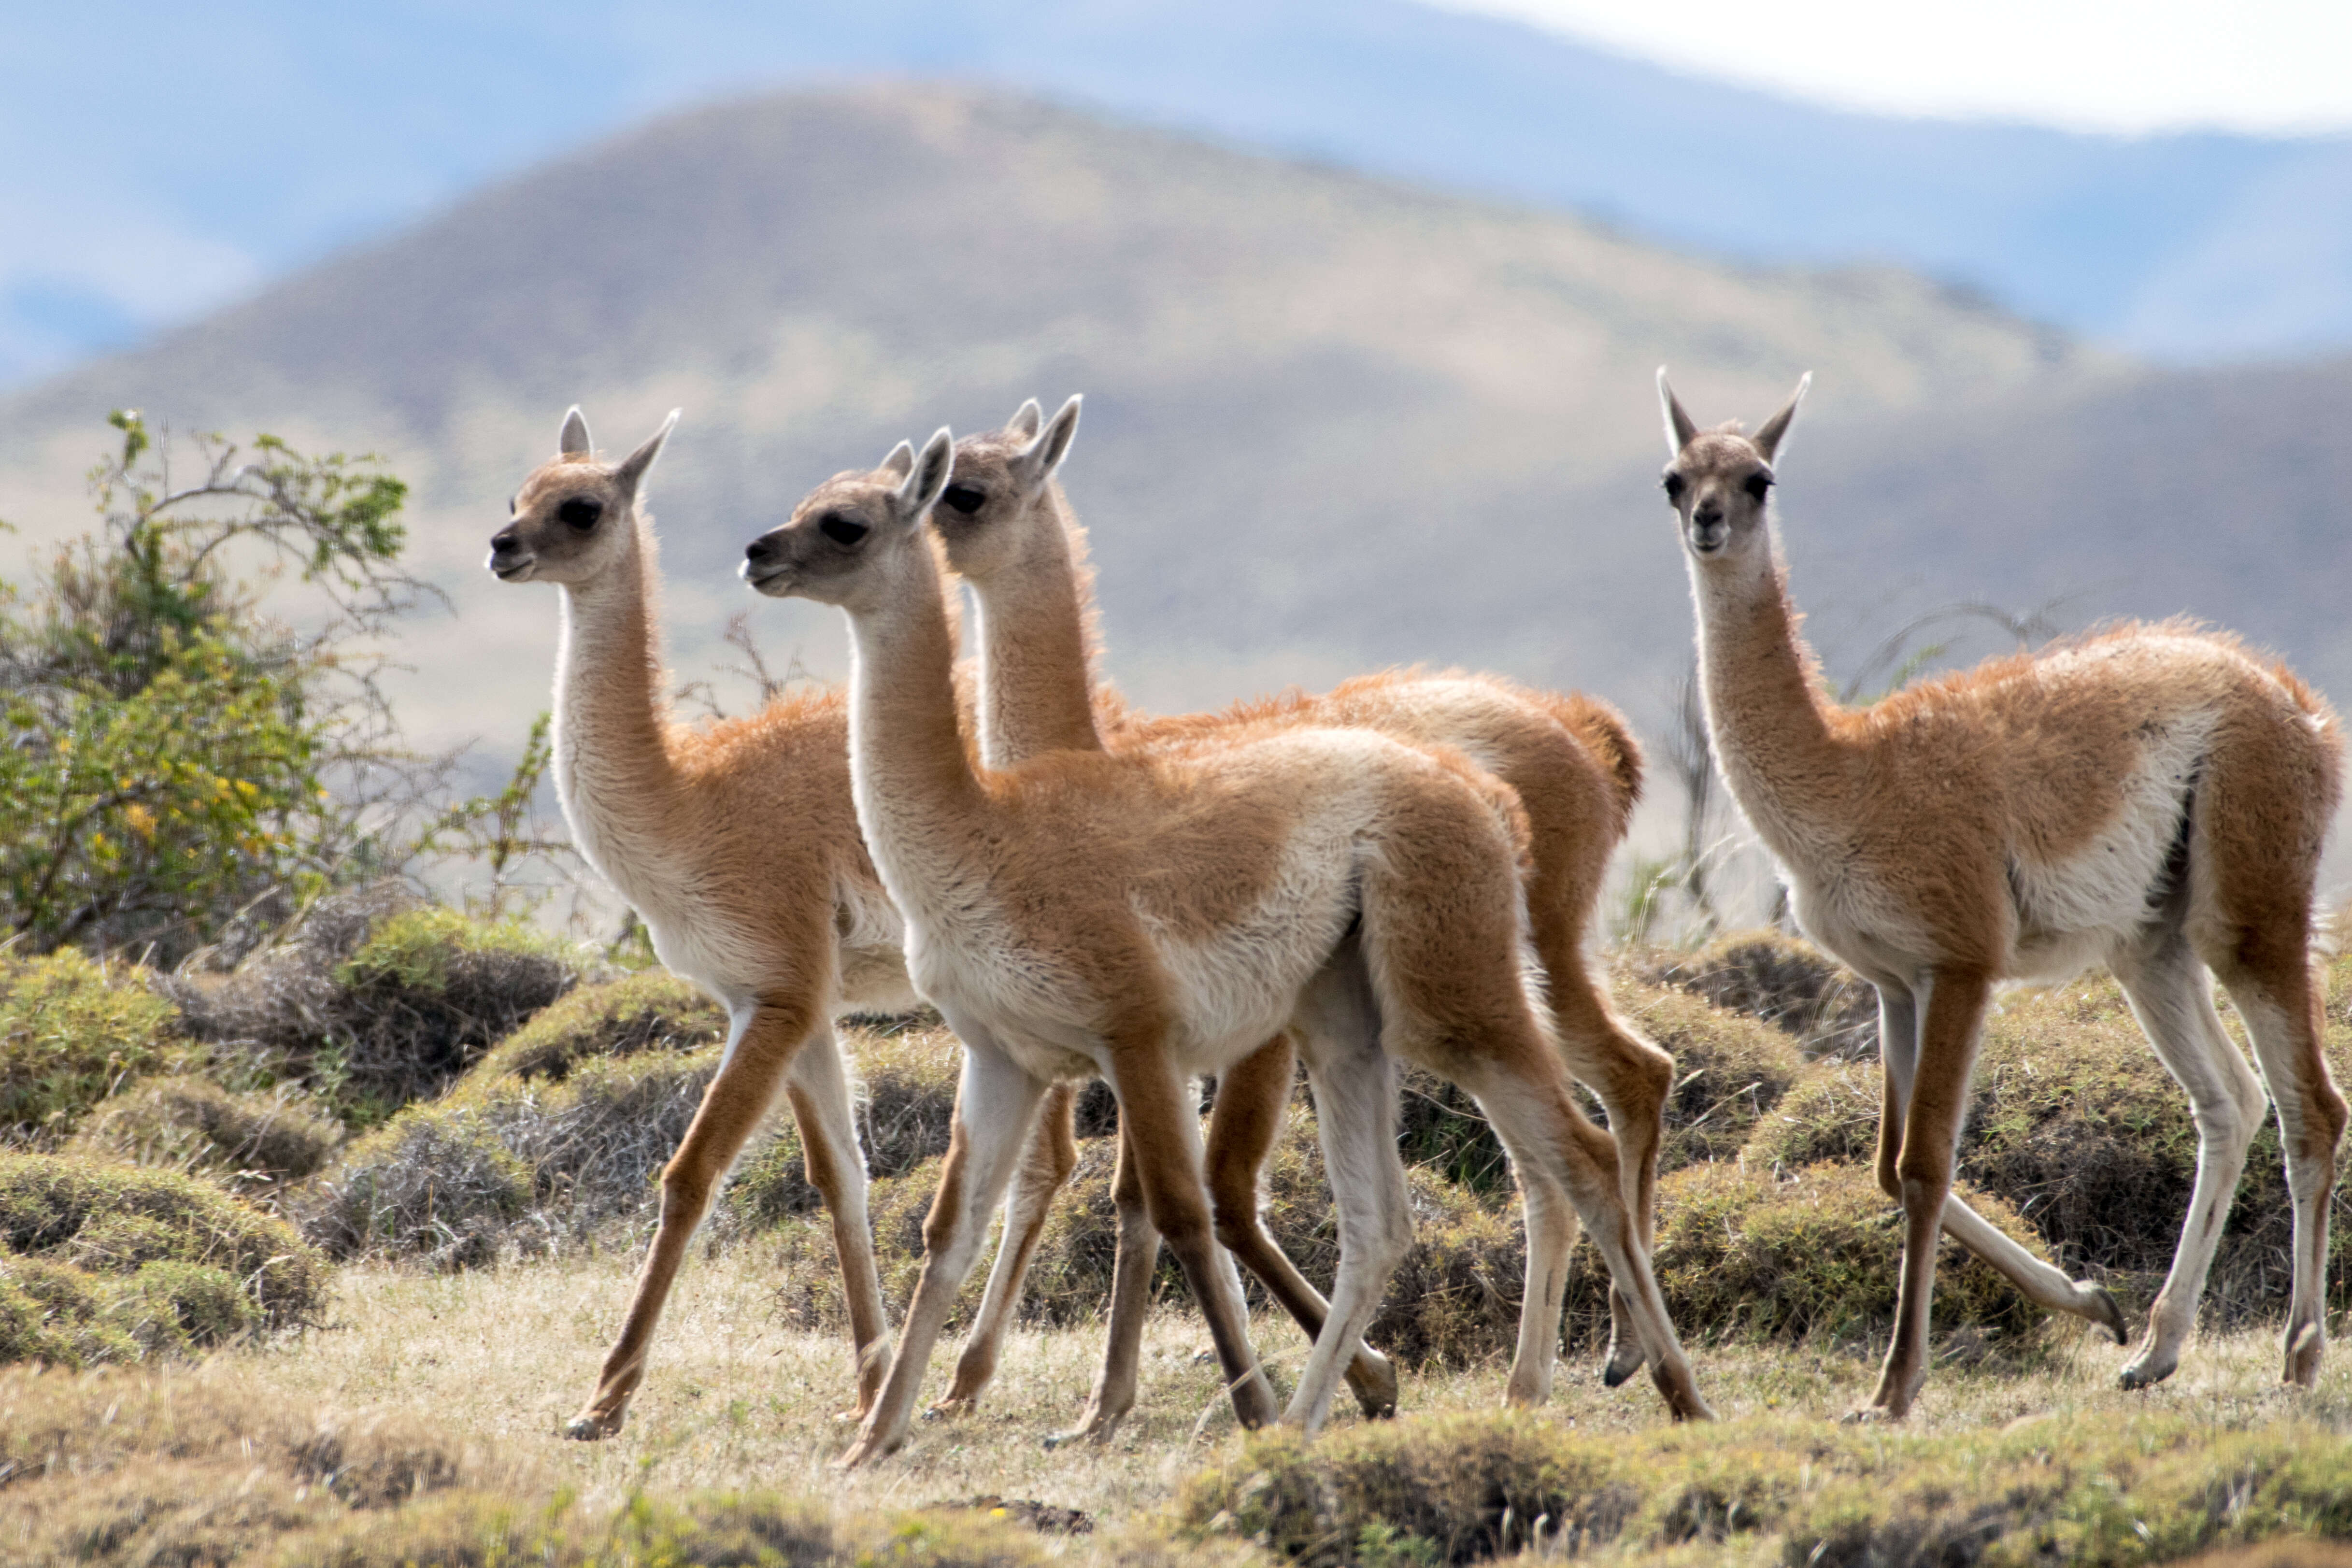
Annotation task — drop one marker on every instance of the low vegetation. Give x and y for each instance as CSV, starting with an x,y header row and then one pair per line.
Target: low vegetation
x,y
101,1261
72,1030
1467,1489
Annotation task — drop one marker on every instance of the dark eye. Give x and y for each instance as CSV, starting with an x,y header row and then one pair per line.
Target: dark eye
x,y
963,499
841,528
1758,483
510,504
581,512
1673,485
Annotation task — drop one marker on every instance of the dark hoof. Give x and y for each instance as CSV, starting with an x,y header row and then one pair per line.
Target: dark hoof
x,y
1620,1367
2110,1313
591,1428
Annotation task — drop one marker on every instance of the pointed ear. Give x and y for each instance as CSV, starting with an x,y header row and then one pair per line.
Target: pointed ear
x,y
1027,420
902,460
1038,460
1680,427
572,441
633,468
933,463
1768,439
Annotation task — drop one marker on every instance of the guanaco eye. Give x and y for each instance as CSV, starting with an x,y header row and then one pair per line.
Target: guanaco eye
x,y
841,528
510,504
1673,485
1758,483
963,499
580,512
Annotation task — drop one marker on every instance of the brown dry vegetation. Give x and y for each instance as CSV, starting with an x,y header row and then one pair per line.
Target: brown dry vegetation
x,y
490,1230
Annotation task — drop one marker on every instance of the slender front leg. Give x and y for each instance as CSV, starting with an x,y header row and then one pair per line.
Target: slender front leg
x,y
1922,1170
1160,1127
765,1037
1045,1168
1252,1098
995,1104
819,1092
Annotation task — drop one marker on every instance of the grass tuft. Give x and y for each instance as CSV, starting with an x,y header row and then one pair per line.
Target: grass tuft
x,y
71,1031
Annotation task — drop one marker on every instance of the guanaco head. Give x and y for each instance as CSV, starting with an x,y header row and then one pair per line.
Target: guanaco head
x,y
1718,479
843,541
991,505
573,517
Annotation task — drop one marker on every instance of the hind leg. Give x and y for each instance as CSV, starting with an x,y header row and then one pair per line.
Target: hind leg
x,y
1248,1118
2172,998
1634,1080
1568,1170
2272,991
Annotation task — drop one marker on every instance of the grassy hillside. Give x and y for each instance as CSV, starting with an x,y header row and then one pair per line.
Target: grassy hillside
x,y
1309,392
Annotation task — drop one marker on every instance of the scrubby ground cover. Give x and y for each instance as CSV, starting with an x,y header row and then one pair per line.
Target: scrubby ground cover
x,y
469,1121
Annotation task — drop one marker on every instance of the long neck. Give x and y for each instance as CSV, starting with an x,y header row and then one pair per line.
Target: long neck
x,y
916,791
1771,721
611,761
1037,645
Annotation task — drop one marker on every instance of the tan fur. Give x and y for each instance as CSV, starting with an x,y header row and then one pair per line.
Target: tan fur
x,y
1575,769
737,844
2152,797
1372,896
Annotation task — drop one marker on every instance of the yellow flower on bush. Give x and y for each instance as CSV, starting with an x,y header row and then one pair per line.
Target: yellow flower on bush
x,y
141,821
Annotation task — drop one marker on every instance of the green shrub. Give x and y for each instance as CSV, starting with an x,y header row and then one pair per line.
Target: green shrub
x,y
189,1123
1812,1255
1785,981
117,1220
2074,1120
1728,1069
56,1313
652,1011
435,1182
375,1000
1468,1489
71,1029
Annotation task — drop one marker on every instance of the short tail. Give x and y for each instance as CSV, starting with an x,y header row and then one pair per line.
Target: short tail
x,y
1605,734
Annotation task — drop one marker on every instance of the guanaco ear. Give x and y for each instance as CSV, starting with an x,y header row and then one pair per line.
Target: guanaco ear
x,y
933,465
1026,421
632,468
1038,460
902,460
1681,428
1768,439
572,441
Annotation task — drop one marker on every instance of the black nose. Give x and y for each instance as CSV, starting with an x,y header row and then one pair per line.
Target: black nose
x,y
502,541
1709,513
759,550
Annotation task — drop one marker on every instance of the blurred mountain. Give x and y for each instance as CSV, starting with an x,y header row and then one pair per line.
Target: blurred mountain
x,y
1331,423
344,122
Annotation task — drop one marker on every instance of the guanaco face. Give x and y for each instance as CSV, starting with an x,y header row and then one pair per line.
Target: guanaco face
x,y
984,513
570,520
1719,481
847,525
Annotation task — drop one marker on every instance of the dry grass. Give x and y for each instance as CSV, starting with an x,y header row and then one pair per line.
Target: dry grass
x,y
471,1375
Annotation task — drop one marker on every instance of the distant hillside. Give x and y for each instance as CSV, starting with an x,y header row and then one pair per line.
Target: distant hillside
x,y
1330,422
139,190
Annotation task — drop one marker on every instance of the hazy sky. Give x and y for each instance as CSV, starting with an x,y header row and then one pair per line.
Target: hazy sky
x,y
2250,65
